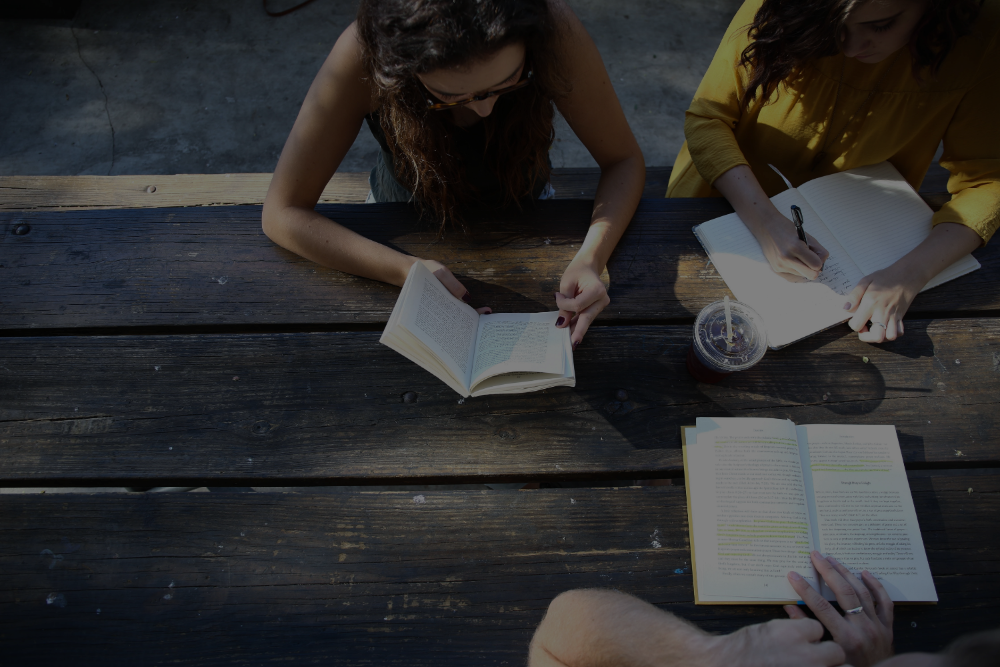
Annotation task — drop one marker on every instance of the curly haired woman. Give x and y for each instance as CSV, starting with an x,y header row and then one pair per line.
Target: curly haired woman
x,y
821,86
460,95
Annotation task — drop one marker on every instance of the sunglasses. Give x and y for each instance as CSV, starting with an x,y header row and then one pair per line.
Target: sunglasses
x,y
479,97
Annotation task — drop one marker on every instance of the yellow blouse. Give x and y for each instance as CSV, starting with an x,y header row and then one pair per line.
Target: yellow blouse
x,y
904,124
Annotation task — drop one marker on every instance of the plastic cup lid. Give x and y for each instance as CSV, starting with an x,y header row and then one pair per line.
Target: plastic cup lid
x,y
749,336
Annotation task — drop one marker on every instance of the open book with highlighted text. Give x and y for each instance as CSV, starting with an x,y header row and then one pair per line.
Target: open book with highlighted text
x,y
476,355
764,493
868,218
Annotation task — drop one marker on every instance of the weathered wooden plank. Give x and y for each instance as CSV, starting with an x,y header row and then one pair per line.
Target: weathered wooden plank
x,y
462,577
213,265
314,408
158,191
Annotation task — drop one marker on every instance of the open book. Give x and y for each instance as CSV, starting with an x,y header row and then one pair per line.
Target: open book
x,y
868,218
764,493
475,354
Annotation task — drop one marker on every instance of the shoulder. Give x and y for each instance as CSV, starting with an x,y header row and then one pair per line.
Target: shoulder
x,y
976,55
567,26
343,72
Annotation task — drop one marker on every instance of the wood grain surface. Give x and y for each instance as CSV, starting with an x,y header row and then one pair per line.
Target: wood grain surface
x,y
214,266
319,408
158,191
369,578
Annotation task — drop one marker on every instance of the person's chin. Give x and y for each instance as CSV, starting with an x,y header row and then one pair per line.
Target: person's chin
x,y
872,58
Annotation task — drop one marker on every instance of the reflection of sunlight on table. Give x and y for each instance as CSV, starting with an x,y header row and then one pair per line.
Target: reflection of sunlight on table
x,y
790,310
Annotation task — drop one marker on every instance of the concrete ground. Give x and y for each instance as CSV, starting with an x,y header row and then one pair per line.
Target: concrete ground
x,y
178,86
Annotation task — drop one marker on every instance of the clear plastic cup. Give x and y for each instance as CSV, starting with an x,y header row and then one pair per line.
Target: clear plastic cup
x,y
710,357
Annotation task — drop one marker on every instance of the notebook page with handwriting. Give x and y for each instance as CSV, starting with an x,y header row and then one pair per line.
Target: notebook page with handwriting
x,y
877,217
791,311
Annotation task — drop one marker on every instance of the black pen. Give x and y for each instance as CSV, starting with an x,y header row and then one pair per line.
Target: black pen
x,y
797,218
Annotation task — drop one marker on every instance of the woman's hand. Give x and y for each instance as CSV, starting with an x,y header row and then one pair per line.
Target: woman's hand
x,y
866,637
790,258
785,251
451,283
581,297
882,298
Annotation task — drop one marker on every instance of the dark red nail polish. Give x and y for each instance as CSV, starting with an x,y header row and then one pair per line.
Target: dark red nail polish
x,y
560,321
467,297
575,343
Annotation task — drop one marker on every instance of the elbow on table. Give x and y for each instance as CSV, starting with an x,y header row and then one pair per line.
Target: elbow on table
x,y
572,624
271,221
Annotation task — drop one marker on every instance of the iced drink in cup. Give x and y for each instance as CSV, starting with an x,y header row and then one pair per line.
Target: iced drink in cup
x,y
713,355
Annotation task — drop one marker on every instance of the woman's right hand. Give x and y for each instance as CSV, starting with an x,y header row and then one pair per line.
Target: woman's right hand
x,y
452,284
785,251
790,258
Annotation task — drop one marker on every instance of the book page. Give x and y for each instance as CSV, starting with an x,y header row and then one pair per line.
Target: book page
x,y
445,325
790,310
519,382
865,515
748,509
518,343
876,216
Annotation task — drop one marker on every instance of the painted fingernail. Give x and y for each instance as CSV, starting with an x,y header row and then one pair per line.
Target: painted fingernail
x,y
489,311
575,343
467,297
560,321
847,306
794,576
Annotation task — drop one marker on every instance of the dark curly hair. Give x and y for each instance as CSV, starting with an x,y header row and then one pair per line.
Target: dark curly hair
x,y
403,38
787,34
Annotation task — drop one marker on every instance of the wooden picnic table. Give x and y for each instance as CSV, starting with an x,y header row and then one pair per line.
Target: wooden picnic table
x,y
177,346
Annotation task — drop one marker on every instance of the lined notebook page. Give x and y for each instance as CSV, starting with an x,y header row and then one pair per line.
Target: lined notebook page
x,y
791,311
877,217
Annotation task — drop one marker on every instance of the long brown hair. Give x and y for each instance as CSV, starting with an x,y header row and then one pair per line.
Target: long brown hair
x,y
403,38
787,34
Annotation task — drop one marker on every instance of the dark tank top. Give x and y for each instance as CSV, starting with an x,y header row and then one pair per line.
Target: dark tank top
x,y
469,143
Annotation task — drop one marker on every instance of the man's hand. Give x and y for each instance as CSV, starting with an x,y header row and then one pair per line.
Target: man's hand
x,y
866,637
778,643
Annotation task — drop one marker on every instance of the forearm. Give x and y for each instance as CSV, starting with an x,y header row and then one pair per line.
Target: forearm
x,y
618,193
598,628
317,238
741,188
947,243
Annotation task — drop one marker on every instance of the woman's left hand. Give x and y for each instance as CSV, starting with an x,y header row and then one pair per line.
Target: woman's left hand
x,y
581,297
882,298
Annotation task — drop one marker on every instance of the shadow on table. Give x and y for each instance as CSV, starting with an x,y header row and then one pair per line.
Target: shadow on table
x,y
640,387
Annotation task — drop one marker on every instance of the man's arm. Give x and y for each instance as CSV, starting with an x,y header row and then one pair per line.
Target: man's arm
x,y
601,628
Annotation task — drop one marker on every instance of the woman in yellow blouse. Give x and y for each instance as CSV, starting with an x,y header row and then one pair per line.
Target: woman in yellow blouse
x,y
821,86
